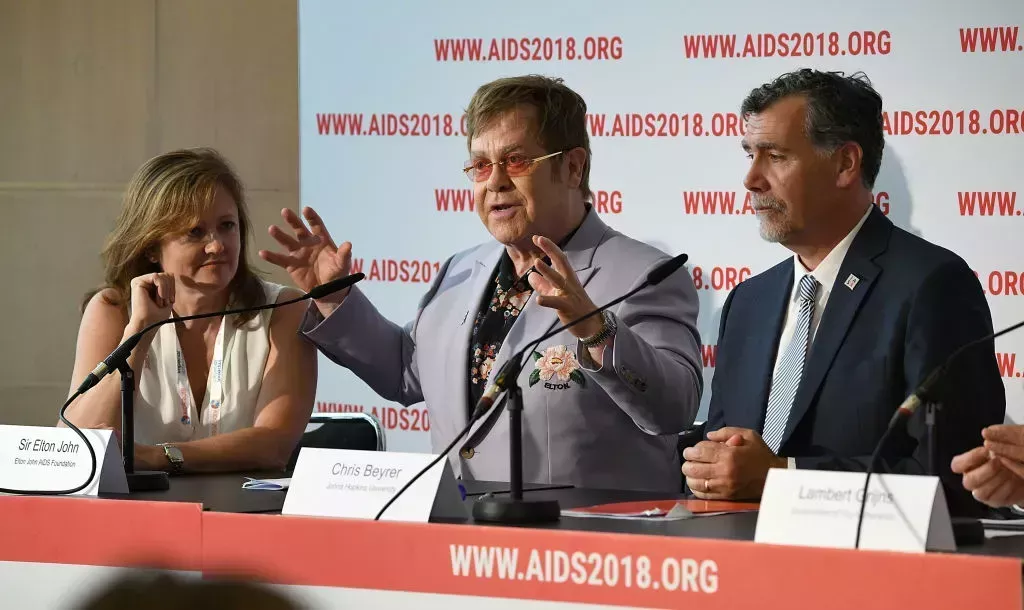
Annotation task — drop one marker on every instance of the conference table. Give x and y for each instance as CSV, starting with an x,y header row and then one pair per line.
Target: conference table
x,y
56,550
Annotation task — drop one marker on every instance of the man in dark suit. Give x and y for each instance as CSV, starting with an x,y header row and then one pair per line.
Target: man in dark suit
x,y
816,353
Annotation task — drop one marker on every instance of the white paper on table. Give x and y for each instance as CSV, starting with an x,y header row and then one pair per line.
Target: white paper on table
x,y
655,514
266,484
993,529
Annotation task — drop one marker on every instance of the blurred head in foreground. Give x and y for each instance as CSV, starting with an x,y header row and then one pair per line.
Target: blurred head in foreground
x,y
164,591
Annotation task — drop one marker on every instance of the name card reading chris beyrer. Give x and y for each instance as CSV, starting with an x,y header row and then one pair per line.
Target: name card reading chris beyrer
x,y
357,484
821,508
36,458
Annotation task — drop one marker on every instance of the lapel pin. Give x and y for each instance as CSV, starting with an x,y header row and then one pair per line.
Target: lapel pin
x,y
851,282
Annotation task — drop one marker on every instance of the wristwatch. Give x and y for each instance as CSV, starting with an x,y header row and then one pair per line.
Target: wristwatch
x,y
608,328
174,456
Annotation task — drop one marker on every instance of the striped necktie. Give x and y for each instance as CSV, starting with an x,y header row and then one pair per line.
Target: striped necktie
x,y
787,380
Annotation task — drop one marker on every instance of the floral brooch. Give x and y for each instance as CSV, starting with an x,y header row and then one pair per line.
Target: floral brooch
x,y
556,367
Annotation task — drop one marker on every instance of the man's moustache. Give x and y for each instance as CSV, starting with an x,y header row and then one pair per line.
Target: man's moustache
x,y
767,204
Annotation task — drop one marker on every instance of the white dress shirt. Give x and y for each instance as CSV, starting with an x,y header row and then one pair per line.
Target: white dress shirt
x,y
825,273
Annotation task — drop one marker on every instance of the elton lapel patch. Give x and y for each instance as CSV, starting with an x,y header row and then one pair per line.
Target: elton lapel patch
x,y
556,367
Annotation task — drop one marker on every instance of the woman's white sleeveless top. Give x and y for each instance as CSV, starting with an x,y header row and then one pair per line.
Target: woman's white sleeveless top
x,y
165,409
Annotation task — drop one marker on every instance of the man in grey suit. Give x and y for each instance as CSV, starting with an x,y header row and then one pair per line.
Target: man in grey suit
x,y
603,401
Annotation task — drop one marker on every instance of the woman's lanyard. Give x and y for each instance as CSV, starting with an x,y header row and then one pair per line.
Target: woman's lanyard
x,y
215,384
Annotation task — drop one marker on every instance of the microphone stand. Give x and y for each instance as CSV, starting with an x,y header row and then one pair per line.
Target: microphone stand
x,y
513,508
118,360
144,480
966,530
930,412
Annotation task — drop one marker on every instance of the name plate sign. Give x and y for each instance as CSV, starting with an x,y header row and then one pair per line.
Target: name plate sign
x,y
357,484
820,508
36,458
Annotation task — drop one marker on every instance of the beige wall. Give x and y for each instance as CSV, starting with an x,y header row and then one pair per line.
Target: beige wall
x,y
90,89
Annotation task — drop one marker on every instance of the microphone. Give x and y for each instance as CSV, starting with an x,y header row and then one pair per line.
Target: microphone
x,y
664,270
120,355
327,288
924,391
918,396
510,370
118,360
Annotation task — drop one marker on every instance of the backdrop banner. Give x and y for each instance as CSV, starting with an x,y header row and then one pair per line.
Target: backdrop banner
x,y
383,88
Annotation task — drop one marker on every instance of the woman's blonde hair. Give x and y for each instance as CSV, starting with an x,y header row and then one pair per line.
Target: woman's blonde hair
x,y
167,196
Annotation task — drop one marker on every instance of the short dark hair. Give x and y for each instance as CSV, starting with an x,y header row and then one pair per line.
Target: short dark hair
x,y
840,109
561,113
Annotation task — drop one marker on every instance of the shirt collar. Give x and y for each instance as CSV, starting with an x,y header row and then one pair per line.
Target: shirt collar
x,y
828,269
522,284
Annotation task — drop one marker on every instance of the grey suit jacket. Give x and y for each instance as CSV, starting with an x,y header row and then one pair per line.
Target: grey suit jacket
x,y
612,428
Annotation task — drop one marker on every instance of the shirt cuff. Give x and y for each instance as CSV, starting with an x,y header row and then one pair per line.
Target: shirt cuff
x,y
791,463
587,363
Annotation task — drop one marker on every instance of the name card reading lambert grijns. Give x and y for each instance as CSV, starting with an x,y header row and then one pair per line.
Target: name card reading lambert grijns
x,y
821,508
36,458
357,484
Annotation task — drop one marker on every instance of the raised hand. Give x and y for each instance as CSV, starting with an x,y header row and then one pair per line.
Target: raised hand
x,y
558,287
311,257
152,296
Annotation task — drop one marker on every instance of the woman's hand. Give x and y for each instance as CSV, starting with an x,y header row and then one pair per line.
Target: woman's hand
x,y
150,457
152,296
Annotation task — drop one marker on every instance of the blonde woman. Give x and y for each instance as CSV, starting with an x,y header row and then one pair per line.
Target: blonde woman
x,y
215,394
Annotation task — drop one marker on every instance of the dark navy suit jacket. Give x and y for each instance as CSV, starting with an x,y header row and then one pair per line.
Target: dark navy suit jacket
x,y
914,304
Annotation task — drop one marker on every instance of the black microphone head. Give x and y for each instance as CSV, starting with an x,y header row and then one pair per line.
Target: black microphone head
x,y
319,292
662,271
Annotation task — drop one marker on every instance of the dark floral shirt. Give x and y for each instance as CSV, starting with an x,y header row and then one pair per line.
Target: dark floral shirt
x,y
498,312
499,308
